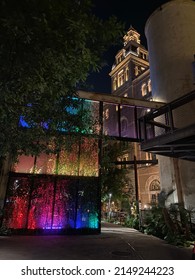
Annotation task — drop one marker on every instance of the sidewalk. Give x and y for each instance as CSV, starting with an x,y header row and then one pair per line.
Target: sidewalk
x,y
114,243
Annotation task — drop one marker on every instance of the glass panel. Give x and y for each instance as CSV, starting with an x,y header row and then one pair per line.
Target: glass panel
x,y
68,203
45,164
110,119
17,202
87,209
25,164
40,214
88,157
128,122
68,160
91,117
64,210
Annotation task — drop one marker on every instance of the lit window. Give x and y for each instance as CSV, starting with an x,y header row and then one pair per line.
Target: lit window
x,y
125,95
120,79
149,86
148,156
154,191
127,74
136,70
154,198
115,84
155,185
144,89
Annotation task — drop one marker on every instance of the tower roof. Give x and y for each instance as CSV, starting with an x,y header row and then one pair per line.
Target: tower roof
x,y
132,35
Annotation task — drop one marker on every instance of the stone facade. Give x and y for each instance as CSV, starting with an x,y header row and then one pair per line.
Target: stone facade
x,y
130,77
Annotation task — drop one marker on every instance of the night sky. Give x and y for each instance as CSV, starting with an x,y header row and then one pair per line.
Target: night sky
x,y
133,13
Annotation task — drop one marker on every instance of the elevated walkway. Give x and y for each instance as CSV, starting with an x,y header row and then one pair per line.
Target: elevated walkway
x,y
116,116
164,131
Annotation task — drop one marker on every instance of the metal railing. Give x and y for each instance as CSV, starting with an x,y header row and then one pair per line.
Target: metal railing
x,y
166,119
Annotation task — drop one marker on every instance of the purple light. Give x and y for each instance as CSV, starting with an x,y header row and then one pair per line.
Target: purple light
x,y
51,205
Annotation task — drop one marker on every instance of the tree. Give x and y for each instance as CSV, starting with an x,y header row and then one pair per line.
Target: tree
x,y
47,50
114,179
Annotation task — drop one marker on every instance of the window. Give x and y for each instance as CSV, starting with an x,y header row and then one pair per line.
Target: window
x,y
120,79
127,74
154,198
155,185
149,86
144,89
136,70
154,191
125,158
148,156
115,84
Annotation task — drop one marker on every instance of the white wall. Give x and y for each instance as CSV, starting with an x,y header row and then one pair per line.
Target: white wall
x,y
170,33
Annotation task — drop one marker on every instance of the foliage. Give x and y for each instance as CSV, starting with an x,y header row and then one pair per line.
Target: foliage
x,y
154,223
132,222
113,178
47,50
170,224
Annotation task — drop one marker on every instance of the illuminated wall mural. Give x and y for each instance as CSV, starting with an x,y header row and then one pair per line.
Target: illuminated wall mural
x,y
55,192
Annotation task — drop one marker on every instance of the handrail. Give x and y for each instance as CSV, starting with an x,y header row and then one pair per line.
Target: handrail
x,y
166,110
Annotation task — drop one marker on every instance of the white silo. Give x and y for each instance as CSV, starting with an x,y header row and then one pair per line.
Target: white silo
x,y
170,33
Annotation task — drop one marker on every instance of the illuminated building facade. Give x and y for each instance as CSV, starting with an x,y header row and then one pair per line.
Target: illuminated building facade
x,y
130,78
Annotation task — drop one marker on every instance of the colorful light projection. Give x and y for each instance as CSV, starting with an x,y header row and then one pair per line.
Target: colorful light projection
x,y
50,202
17,202
79,158
88,163
45,198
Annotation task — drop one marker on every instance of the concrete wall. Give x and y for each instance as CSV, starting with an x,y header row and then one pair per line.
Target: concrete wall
x,y
170,33
171,44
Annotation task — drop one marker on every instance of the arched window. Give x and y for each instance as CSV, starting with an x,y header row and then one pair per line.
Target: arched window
x,y
154,191
136,70
155,185
149,86
127,74
115,84
121,78
144,89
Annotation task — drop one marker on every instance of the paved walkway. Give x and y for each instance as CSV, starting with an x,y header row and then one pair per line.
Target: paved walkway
x,y
114,243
